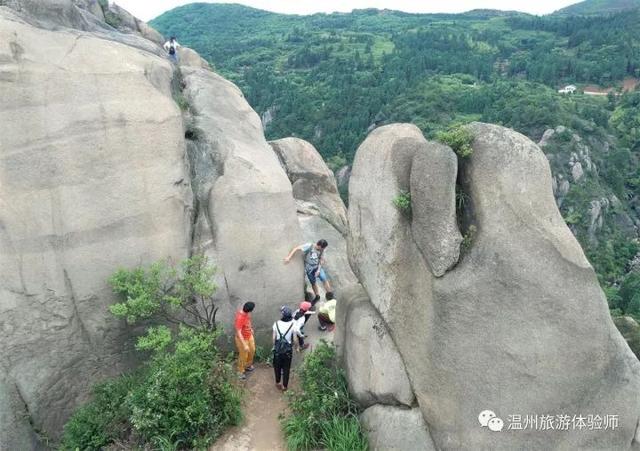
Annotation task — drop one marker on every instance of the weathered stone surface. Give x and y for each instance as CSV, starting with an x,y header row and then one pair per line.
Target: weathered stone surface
x,y
93,178
396,429
246,212
311,179
190,58
321,212
434,226
519,325
374,367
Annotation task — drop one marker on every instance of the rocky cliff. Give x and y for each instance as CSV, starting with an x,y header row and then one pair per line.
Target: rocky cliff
x,y
111,157
516,324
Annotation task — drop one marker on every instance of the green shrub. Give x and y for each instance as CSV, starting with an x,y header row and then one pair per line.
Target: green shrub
x,y
403,203
187,397
459,139
323,416
104,419
183,397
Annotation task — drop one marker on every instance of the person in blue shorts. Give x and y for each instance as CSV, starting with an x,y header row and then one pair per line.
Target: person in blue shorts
x,y
313,254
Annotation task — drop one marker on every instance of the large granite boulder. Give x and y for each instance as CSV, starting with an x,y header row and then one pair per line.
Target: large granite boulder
x,y
374,368
246,216
391,428
321,211
519,325
93,178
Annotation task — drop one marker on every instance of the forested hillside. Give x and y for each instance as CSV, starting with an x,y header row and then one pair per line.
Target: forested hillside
x,y
331,78
594,7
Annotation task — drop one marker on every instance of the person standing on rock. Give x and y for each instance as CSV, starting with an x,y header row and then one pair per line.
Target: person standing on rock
x,y
171,46
313,261
284,335
245,342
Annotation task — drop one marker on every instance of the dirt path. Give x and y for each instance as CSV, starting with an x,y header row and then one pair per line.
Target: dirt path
x,y
260,430
264,403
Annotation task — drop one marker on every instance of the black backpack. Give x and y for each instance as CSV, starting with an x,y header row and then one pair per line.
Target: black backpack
x,y
282,348
172,50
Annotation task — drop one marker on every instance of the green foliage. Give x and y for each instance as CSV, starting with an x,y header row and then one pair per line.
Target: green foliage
x,y
336,162
264,355
179,294
344,434
573,217
323,416
183,398
459,139
102,420
187,397
628,296
468,237
403,203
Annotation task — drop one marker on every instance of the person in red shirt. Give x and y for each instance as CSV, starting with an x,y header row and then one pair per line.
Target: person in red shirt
x,y
244,339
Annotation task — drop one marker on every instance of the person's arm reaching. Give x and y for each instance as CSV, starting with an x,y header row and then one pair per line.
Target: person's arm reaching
x,y
288,258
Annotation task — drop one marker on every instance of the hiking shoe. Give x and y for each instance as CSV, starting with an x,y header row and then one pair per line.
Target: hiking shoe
x,y
250,368
279,386
331,328
242,376
305,346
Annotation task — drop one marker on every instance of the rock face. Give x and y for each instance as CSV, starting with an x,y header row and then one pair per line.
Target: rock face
x,y
518,326
321,212
374,367
393,428
96,174
246,221
93,178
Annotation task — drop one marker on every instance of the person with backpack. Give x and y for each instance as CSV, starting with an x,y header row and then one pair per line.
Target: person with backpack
x,y
245,342
284,335
313,261
171,46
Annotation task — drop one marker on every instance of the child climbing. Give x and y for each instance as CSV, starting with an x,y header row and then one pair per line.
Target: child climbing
x,y
301,317
313,261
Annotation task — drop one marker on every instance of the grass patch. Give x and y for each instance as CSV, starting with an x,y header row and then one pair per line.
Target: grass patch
x,y
323,416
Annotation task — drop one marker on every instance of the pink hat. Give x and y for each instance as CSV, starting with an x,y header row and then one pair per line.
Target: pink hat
x,y
305,306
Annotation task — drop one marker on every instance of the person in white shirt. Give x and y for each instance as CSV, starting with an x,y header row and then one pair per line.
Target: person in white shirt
x,y
285,333
300,317
171,46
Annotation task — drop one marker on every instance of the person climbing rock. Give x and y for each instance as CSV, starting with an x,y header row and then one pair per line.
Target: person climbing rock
x,y
327,314
245,342
313,261
171,46
284,335
301,316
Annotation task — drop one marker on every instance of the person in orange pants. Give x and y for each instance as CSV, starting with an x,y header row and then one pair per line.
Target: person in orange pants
x,y
244,340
